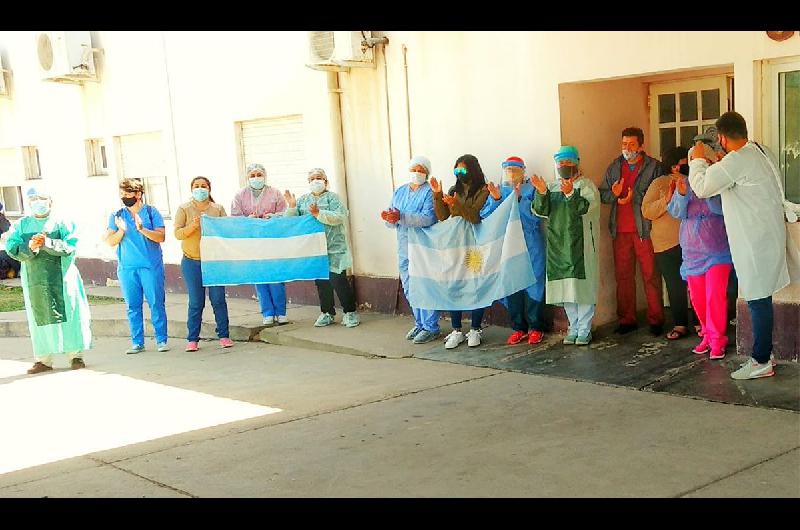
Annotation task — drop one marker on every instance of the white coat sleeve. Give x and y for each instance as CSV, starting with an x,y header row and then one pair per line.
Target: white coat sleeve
x,y
707,181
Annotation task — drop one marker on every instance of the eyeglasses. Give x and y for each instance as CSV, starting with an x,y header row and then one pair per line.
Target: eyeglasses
x,y
460,171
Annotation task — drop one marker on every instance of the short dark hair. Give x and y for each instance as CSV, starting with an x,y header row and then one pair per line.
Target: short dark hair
x,y
732,125
673,156
634,131
131,185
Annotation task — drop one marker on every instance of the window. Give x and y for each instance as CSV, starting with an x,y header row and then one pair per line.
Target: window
x,y
96,159
781,80
11,197
30,157
141,156
682,109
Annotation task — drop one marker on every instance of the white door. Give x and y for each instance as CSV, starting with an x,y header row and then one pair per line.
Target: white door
x,y
278,144
782,131
681,109
141,156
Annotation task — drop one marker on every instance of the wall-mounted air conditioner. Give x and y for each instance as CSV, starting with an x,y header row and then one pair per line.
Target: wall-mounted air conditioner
x,y
66,56
340,50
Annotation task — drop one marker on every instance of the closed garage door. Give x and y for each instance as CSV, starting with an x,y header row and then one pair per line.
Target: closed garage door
x,y
277,144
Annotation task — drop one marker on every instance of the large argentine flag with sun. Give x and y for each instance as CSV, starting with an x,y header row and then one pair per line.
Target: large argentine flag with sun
x,y
457,265
244,250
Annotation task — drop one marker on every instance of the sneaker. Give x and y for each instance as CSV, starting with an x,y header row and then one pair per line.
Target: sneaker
x,y
162,347
413,332
325,319
753,370
38,368
702,348
351,320
535,337
517,337
772,361
453,339
268,321
191,346
474,337
225,342
282,320
135,349
77,363
570,338
623,329
583,340
426,336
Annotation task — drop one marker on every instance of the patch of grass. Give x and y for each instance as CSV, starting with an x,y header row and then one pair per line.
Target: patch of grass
x,y
11,299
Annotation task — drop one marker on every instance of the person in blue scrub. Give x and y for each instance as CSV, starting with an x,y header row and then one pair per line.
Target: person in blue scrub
x,y
525,306
412,207
137,230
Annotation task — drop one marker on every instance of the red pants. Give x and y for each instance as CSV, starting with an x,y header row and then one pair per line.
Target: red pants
x,y
709,293
628,249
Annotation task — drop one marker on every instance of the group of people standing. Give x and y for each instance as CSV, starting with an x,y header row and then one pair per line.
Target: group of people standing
x,y
696,219
693,219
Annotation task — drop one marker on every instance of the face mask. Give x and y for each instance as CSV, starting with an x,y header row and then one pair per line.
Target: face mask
x,y
417,178
630,156
684,169
317,186
129,201
40,208
565,172
257,183
200,194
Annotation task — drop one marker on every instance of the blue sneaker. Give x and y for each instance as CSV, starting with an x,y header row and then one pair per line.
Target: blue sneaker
x,y
350,320
570,338
426,336
137,348
162,346
413,332
583,340
325,319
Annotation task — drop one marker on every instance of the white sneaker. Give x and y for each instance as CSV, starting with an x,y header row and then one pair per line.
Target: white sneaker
x,y
474,337
268,321
282,319
453,339
753,370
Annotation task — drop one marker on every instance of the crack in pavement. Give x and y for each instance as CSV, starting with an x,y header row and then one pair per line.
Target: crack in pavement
x,y
729,475
148,479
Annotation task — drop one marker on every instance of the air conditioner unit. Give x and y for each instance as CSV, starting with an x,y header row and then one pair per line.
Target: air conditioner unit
x,y
3,79
66,56
339,50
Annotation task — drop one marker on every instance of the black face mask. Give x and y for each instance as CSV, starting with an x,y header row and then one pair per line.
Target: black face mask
x,y
684,169
129,201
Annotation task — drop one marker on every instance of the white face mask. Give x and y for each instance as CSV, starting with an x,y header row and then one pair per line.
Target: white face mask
x,y
317,186
630,156
417,178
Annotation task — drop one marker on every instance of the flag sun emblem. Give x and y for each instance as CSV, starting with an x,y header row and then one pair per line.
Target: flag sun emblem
x,y
473,260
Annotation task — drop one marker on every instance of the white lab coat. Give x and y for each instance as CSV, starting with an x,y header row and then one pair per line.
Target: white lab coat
x,y
752,204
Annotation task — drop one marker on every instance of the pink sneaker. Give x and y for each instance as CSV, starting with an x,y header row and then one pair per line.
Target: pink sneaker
x,y
717,354
702,348
191,346
226,342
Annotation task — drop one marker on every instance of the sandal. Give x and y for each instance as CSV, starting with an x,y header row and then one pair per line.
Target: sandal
x,y
699,330
676,334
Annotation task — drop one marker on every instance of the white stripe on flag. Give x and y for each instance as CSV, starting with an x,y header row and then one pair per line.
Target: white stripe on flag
x,y
450,264
214,248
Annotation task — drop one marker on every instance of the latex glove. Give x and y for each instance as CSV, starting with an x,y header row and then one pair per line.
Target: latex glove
x,y
393,216
539,183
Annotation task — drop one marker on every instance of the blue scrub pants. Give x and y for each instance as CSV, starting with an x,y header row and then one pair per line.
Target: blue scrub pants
x,y
426,319
148,283
193,278
272,299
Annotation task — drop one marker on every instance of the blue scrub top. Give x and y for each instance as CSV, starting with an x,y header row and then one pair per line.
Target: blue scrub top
x,y
136,251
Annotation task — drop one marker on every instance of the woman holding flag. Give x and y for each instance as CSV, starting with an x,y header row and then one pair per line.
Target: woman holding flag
x,y
572,205
467,199
187,229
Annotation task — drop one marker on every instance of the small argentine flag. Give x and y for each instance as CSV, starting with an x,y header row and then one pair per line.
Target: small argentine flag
x,y
244,250
457,265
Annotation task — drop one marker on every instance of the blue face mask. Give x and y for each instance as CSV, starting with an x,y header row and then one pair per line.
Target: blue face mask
x,y
40,208
200,194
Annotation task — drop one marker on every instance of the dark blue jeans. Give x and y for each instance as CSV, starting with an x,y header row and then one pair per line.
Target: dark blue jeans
x,y
762,318
477,317
525,312
197,301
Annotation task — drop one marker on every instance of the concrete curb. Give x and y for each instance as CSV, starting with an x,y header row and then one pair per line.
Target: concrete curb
x,y
277,335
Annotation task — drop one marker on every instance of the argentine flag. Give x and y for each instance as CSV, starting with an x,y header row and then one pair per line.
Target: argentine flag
x,y
245,250
457,265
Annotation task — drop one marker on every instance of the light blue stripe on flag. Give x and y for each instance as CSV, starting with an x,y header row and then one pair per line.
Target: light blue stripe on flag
x,y
455,265
244,251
